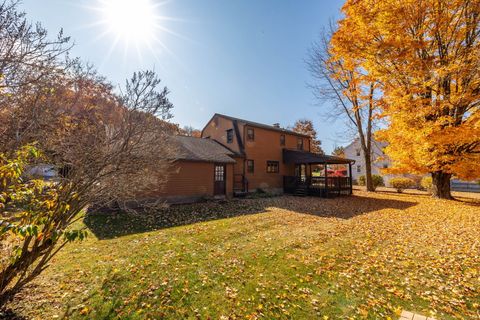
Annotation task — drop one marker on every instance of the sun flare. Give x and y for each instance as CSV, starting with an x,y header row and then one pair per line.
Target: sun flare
x,y
131,21
135,27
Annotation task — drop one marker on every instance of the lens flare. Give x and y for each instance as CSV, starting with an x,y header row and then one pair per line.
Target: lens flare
x,y
131,21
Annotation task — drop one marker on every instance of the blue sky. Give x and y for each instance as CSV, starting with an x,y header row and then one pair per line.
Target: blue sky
x,y
242,58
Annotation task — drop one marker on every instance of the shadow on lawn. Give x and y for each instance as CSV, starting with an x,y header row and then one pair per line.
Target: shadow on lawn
x,y
111,225
10,314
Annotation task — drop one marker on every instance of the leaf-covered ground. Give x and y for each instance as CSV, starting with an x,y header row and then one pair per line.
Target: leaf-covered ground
x,y
365,256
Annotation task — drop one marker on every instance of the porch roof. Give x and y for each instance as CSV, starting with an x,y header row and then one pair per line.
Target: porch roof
x,y
304,157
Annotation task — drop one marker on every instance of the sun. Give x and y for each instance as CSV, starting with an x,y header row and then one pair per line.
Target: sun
x,y
131,21
134,25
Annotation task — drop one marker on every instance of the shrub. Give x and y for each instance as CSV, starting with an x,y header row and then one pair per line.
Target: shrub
x,y
361,180
426,183
377,181
402,183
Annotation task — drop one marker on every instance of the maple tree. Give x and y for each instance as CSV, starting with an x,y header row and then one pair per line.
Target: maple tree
x,y
426,56
352,94
305,126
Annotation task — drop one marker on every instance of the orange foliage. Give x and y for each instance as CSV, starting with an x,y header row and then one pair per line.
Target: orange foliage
x,y
426,55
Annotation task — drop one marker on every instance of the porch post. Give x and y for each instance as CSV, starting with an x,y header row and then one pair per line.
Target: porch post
x,y
350,176
326,179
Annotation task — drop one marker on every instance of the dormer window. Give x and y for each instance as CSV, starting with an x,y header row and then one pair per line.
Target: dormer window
x,y
229,135
250,134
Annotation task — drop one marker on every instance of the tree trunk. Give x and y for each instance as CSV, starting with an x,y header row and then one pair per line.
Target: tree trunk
x,y
368,172
441,185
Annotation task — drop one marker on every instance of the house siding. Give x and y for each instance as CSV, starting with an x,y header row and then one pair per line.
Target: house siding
x,y
379,159
266,147
190,181
216,129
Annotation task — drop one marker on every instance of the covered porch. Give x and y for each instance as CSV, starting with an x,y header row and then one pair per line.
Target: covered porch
x,y
317,175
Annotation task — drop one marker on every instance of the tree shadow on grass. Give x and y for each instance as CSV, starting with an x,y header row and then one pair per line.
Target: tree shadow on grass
x,y
112,225
346,207
10,314
116,224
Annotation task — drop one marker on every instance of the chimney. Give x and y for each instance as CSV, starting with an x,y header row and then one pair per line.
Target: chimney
x,y
276,125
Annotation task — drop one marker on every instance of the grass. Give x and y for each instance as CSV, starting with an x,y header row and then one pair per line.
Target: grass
x,y
365,256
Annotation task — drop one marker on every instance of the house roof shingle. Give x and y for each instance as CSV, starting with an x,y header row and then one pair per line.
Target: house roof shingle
x,y
261,125
198,149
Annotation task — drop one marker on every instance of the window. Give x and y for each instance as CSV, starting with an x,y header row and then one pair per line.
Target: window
x,y
229,135
385,165
358,152
219,173
359,169
282,139
250,134
300,144
250,166
272,166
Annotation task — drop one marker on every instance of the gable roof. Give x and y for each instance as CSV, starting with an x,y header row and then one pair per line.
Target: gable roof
x,y
260,125
198,149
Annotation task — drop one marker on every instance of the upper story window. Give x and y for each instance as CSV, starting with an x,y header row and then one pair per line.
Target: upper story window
x,y
299,144
250,134
273,167
250,166
357,151
229,135
282,139
359,169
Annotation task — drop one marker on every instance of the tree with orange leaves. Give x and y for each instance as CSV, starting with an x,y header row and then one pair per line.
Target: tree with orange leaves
x,y
426,56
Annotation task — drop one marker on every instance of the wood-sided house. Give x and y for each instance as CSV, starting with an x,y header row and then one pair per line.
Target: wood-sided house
x,y
236,156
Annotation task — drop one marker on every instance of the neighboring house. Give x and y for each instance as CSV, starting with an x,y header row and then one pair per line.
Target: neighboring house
x,y
379,159
235,157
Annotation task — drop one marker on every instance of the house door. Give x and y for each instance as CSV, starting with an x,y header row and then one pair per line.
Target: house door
x,y
219,179
301,172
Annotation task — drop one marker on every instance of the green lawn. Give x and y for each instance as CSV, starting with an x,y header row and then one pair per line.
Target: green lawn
x,y
365,256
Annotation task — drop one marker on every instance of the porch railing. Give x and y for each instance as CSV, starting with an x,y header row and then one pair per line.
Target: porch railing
x,y
320,186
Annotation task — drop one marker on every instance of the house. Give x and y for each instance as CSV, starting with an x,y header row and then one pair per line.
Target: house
x,y
379,159
234,157
258,151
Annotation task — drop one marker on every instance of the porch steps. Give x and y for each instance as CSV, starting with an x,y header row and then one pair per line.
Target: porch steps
x,y
301,191
240,194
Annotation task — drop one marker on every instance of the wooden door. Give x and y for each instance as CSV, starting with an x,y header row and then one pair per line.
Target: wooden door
x,y
301,172
219,179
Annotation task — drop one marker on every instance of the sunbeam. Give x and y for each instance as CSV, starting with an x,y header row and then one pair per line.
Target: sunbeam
x,y
133,26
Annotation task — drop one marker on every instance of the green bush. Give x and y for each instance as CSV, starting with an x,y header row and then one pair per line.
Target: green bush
x,y
426,183
361,180
402,183
377,181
